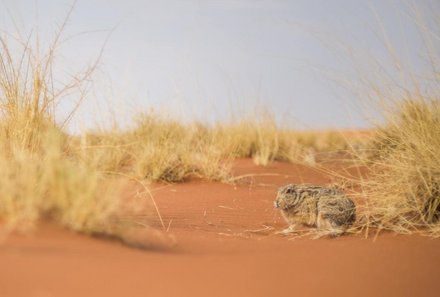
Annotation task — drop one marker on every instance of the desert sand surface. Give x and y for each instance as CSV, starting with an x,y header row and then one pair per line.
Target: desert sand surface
x,y
225,246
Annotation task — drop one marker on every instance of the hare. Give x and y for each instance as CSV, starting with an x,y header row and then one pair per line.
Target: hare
x,y
326,208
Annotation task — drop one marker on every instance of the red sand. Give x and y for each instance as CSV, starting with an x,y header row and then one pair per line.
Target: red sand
x,y
225,247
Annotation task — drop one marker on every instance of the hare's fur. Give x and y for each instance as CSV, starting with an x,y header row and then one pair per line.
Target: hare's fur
x,y
327,209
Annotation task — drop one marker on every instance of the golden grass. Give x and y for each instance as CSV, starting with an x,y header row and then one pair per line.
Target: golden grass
x,y
402,191
263,140
39,177
160,148
403,188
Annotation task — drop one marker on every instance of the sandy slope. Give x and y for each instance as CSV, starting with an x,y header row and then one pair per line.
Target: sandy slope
x,y
225,247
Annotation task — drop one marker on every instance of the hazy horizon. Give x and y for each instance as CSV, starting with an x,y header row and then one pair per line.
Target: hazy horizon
x,y
212,60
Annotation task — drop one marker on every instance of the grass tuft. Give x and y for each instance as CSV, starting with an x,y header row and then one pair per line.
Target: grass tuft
x,y
40,177
403,188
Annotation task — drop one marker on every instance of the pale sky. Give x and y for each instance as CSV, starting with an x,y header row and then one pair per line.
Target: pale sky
x,y
210,60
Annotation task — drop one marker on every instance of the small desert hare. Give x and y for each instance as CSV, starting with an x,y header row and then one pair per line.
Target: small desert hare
x,y
326,208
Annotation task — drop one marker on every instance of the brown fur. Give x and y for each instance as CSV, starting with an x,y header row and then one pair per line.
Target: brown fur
x,y
327,209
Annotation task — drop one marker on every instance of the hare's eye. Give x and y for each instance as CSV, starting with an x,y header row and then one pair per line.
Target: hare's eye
x,y
289,191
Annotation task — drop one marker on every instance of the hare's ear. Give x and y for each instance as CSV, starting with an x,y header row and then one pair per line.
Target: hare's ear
x,y
283,188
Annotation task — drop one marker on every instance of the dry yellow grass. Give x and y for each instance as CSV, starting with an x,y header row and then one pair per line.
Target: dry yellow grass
x,y
162,149
263,140
158,149
403,188
40,179
401,191
43,183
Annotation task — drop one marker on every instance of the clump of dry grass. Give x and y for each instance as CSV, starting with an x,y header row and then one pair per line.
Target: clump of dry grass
x,y
256,138
400,190
404,185
157,149
39,177
172,151
160,148
263,140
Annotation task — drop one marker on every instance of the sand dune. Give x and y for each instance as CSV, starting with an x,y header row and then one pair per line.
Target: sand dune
x,y
225,246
